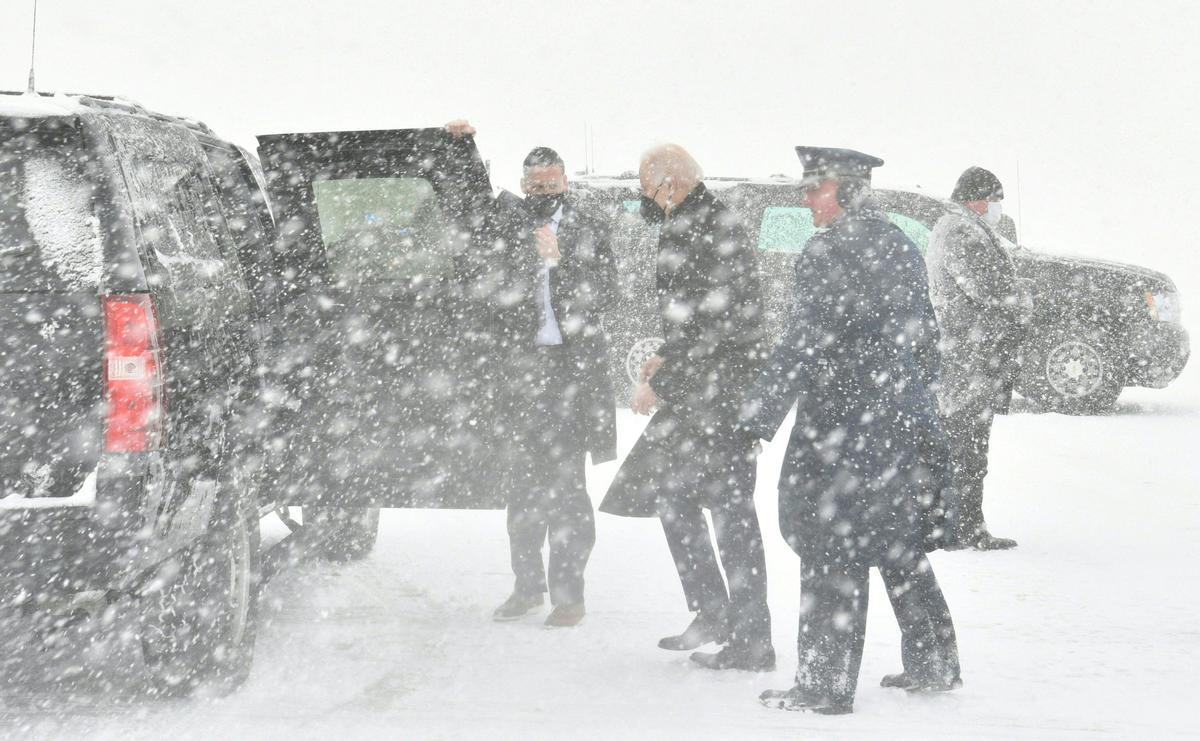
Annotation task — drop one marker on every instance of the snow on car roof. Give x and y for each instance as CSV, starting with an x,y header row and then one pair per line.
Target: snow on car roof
x,y
631,181
42,105
38,105
720,182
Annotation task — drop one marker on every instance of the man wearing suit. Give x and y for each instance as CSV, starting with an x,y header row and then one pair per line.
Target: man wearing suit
x,y
556,400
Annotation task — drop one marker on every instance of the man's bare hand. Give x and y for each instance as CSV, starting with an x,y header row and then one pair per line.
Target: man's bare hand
x,y
460,128
546,242
650,367
644,399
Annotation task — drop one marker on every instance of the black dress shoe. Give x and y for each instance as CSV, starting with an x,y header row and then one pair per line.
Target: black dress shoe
x,y
518,606
738,657
905,681
704,629
566,616
985,541
801,700
989,542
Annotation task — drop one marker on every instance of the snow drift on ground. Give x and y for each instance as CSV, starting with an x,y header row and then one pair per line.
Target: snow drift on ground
x,y
1087,630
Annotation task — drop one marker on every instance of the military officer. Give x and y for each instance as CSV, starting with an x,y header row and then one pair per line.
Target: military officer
x,y
867,463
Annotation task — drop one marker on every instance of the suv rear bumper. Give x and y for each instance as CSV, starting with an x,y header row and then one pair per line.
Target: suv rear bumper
x,y
1157,354
91,540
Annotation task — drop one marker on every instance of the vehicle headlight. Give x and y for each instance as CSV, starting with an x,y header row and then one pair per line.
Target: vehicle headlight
x,y
1164,306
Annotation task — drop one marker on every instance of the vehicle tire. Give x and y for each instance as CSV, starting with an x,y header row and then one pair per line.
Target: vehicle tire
x,y
198,627
1068,370
341,533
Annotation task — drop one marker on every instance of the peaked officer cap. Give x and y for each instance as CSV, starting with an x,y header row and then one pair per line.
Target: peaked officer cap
x,y
822,163
977,184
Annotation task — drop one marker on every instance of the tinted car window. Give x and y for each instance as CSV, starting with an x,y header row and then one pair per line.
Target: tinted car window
x,y
247,217
788,228
50,237
383,229
915,230
180,225
785,228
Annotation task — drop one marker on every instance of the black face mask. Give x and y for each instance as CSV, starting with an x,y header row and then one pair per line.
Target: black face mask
x,y
651,211
545,205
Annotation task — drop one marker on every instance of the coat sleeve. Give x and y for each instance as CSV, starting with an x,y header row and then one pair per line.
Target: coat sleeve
x,y
811,325
976,268
906,315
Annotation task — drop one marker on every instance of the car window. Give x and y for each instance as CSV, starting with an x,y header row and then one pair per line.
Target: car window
x,y
50,237
181,229
383,229
785,228
913,229
244,207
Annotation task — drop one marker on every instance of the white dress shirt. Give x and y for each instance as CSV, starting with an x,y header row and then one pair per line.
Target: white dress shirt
x,y
548,331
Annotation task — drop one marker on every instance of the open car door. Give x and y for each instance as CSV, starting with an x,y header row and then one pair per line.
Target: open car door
x,y
382,353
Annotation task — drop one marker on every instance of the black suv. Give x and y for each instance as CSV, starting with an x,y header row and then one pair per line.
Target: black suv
x,y
1096,326
174,366
130,355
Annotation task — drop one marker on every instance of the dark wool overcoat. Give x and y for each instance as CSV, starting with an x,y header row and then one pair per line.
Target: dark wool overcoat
x,y
710,300
866,471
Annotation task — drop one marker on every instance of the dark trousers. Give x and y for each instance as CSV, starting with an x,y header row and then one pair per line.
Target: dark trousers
x,y
833,625
545,484
720,476
969,430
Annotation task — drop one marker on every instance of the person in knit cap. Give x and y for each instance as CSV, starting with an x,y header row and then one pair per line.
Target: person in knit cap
x,y
973,286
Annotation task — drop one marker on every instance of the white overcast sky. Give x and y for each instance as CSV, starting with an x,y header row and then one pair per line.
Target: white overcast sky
x,y
1099,102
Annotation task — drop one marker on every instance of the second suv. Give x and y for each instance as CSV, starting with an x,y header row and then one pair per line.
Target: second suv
x,y
1097,327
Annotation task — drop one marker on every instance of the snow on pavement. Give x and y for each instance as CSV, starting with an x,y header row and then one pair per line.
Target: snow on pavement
x,y
1087,630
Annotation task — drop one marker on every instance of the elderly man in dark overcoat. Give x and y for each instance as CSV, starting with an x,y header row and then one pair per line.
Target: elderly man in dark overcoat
x,y
867,463
692,456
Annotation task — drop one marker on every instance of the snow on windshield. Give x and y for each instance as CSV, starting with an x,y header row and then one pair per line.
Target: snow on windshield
x,y
58,208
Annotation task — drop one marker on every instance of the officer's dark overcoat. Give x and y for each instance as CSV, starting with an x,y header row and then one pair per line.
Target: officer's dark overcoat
x,y
867,462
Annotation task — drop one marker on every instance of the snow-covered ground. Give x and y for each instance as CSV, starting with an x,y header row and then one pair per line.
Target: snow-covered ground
x,y
1088,630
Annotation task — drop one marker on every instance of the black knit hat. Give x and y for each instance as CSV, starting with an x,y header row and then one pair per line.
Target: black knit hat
x,y
977,184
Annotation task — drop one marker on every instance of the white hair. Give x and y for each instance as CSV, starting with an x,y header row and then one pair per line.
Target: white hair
x,y
672,161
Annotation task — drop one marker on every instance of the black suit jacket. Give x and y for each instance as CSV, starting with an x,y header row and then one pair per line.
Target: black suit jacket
x,y
582,286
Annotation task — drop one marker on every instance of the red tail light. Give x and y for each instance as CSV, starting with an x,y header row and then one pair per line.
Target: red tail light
x,y
133,378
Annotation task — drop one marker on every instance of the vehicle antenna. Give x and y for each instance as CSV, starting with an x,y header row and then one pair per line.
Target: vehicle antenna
x,y
33,47
587,166
593,152
1020,219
